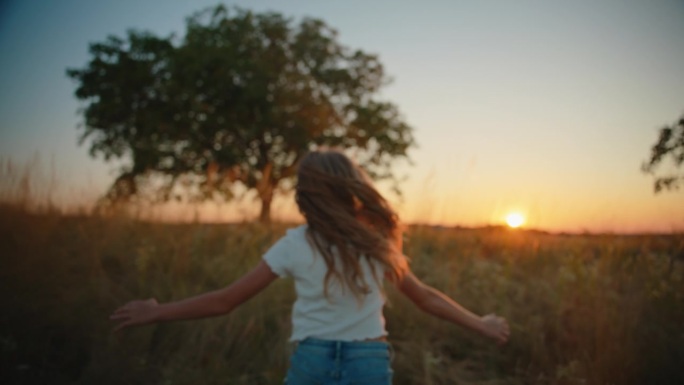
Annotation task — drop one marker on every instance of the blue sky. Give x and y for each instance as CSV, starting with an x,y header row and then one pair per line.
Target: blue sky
x,y
545,107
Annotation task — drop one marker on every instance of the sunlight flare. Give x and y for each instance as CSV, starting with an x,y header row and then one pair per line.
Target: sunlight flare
x,y
515,220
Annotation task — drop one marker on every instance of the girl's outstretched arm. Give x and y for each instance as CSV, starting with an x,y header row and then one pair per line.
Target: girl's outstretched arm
x,y
439,305
210,304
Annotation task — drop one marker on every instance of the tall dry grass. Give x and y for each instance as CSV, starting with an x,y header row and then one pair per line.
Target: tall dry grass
x,y
584,309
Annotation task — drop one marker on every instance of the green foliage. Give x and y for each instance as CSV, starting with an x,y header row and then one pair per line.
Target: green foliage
x,y
670,145
237,101
583,309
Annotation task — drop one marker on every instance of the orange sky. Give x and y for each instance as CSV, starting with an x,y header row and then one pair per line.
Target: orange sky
x,y
548,108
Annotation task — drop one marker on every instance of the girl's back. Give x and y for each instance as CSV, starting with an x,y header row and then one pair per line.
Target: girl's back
x,y
332,314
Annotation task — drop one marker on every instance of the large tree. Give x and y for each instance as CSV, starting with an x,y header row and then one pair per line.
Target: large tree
x,y
236,101
670,145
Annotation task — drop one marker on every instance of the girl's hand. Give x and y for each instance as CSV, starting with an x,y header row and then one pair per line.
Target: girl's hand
x,y
496,328
135,313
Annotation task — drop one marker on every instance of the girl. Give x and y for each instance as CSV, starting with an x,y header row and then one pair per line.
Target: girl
x,y
338,259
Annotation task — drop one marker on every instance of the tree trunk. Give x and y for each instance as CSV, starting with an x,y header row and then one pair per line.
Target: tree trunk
x,y
265,215
265,189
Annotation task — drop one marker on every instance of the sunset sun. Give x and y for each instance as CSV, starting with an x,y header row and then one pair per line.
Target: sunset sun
x,y
515,220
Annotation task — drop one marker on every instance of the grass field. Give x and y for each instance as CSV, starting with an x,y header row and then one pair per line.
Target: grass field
x,y
583,309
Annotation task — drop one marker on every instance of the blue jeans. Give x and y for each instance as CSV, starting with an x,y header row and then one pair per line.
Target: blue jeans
x,y
322,362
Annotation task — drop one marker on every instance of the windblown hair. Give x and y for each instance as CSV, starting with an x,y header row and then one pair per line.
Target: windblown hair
x,y
348,220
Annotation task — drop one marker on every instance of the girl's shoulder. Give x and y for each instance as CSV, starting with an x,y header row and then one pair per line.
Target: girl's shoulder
x,y
297,231
296,234
288,252
295,237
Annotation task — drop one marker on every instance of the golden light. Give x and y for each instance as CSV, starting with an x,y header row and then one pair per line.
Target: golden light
x,y
515,220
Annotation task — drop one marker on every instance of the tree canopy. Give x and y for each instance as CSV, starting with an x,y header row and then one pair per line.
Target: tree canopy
x,y
236,101
670,145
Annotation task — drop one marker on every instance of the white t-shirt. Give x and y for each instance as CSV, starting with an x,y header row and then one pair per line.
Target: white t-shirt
x,y
340,316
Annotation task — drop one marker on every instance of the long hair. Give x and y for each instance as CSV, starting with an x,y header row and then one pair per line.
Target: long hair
x,y
347,218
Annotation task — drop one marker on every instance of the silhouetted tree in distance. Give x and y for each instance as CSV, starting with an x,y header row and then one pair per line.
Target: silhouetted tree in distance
x,y
238,100
670,145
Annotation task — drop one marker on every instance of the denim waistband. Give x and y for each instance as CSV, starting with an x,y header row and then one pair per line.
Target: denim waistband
x,y
340,362
331,343
345,349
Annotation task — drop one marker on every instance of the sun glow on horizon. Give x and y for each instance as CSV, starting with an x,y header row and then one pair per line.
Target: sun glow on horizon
x,y
515,220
